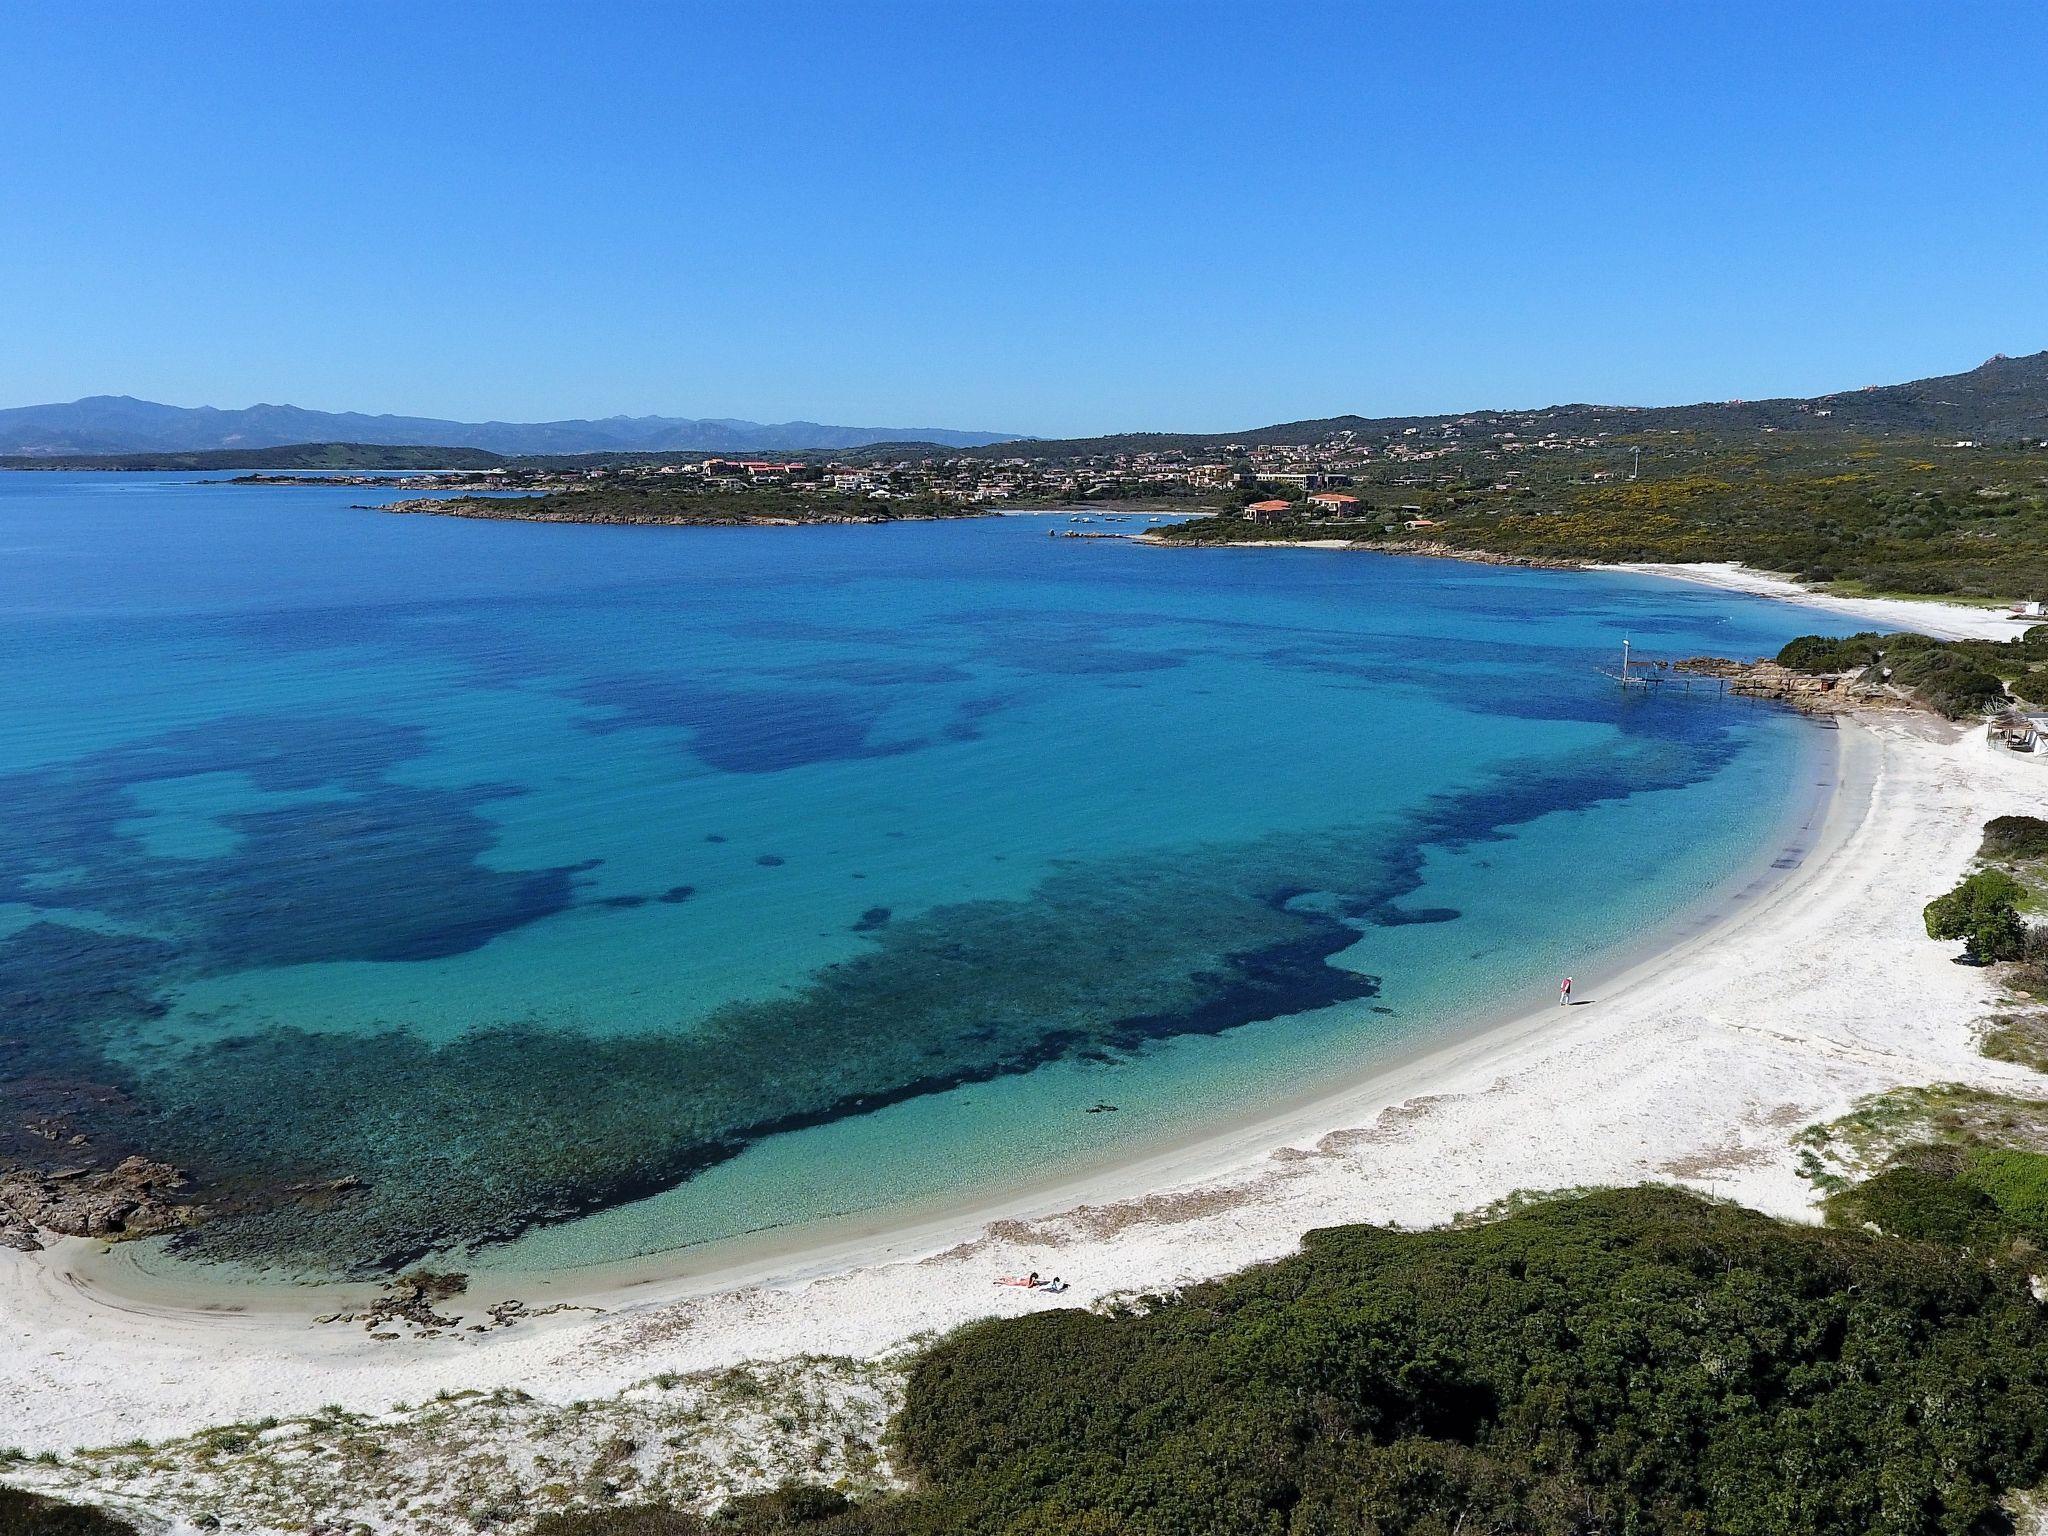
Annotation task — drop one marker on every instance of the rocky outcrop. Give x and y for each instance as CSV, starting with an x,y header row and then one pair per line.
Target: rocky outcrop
x,y
409,1298
1823,694
134,1198
1443,551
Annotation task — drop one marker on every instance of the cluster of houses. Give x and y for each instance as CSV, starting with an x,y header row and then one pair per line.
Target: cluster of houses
x,y
1311,478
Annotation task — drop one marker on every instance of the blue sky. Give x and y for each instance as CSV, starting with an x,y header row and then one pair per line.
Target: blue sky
x,y
1042,218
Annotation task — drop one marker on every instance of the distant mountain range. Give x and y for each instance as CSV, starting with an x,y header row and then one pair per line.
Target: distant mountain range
x,y
2002,399
102,424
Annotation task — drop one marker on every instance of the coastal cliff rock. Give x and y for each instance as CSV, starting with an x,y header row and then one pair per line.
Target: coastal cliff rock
x,y
134,1198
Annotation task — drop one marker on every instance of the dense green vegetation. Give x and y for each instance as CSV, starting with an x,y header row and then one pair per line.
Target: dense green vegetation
x,y
690,504
337,456
1957,678
2014,838
2018,845
1989,1199
1867,515
1636,1361
29,1514
1983,911
798,1507
2002,398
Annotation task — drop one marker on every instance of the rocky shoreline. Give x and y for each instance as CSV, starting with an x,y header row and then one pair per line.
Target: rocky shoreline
x,y
1810,693
1426,548
134,1198
1435,550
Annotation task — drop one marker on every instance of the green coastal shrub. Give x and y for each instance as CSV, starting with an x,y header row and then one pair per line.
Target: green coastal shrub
x,y
633,1520
795,1507
1983,911
1956,678
1825,655
1948,680
30,1514
1638,1362
2015,837
1987,1198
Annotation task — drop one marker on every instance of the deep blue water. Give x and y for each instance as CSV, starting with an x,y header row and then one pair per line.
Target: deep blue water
x,y
621,889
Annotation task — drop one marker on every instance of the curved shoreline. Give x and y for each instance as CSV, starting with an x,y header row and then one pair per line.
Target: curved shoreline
x,y
107,1277
1696,1067
1928,616
1777,1006
1832,796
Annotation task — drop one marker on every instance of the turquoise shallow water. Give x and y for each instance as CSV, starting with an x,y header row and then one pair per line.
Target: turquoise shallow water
x,y
589,891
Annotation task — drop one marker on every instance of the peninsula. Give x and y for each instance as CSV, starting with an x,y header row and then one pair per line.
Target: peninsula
x,y
1932,489
625,499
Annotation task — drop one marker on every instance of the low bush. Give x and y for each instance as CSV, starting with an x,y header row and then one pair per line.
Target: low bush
x,y
1949,681
2015,837
30,1514
1628,1361
1985,1198
1957,678
1983,911
1825,655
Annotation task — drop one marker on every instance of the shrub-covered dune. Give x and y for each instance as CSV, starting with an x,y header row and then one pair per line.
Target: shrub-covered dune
x,y
1636,1361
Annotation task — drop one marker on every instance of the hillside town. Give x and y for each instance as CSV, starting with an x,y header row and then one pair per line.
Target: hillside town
x,y
1266,481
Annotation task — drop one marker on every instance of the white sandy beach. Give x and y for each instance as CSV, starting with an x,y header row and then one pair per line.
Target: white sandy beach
x,y
1945,621
1698,1067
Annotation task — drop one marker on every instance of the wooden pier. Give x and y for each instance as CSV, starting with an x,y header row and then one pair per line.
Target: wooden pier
x,y
1637,673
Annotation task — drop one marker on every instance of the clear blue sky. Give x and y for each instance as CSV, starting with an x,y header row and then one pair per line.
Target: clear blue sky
x,y
1035,217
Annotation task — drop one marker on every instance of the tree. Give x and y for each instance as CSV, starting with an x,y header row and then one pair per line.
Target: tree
x,y
1982,911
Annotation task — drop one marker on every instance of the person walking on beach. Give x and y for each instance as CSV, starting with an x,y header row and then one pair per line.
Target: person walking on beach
x,y
1564,994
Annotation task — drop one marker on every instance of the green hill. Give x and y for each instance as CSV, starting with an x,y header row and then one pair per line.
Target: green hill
x,y
2004,399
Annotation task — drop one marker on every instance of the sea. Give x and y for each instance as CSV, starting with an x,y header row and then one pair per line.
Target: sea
x,y
555,895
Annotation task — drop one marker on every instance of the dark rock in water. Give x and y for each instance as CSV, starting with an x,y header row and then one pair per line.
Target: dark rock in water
x,y
621,901
1391,916
870,920
676,893
769,860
